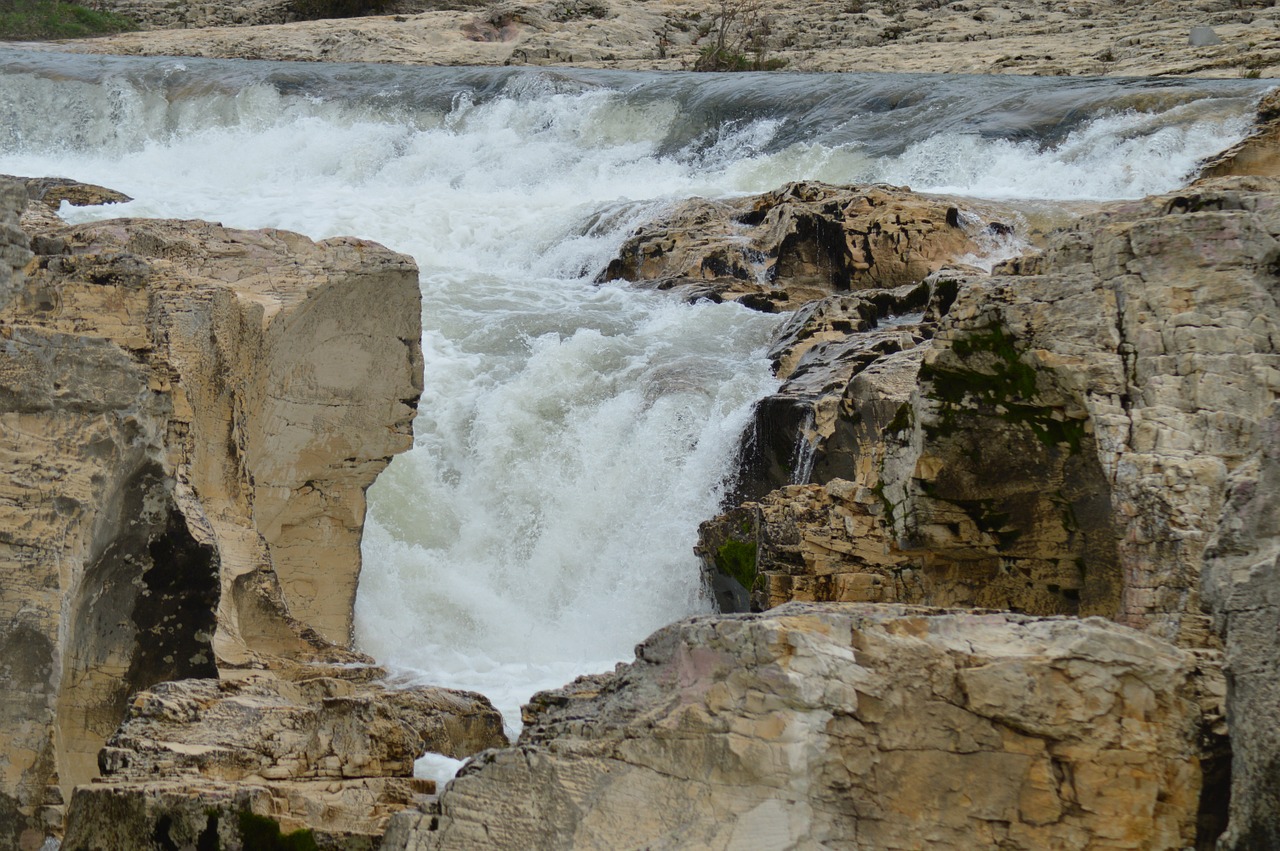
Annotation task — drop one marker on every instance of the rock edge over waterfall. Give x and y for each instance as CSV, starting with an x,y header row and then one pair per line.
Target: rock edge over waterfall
x,y
191,415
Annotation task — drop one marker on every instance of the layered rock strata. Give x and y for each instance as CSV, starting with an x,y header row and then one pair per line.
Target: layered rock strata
x,y
848,726
330,754
1065,436
189,417
1063,442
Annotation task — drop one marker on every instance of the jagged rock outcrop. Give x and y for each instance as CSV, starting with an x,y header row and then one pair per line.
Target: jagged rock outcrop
x,y
779,250
1070,433
332,754
1066,445
189,417
844,726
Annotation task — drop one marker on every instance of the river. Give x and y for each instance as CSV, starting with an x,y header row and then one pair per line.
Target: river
x,y
572,435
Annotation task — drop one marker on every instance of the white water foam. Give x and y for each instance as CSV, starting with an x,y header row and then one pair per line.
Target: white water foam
x,y
571,436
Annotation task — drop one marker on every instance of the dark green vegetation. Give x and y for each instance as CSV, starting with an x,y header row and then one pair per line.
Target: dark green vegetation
x,y
1005,387
738,559
36,20
263,834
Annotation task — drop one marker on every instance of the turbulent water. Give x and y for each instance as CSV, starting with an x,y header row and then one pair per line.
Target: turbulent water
x,y
571,436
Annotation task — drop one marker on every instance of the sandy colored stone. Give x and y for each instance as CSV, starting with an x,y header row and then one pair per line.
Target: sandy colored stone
x,y
847,726
201,813
189,416
1047,37
1073,422
324,727
781,249
1256,155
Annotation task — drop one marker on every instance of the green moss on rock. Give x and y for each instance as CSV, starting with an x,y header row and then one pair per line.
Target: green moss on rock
x,y
36,20
738,559
1000,384
263,834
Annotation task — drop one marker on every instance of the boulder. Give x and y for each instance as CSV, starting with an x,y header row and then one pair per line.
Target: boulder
x,y
189,417
804,241
848,726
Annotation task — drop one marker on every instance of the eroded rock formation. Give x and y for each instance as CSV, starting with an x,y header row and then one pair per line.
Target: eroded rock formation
x,y
784,248
1062,437
1062,443
189,417
859,726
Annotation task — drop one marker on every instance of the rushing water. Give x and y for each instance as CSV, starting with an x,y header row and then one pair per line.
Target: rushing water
x,y
571,436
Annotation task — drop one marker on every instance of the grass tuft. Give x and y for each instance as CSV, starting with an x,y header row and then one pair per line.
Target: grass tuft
x,y
40,20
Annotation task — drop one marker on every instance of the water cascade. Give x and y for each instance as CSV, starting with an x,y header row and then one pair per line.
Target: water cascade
x,y
572,435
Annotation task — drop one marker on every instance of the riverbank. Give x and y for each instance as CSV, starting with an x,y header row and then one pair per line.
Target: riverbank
x,y
1042,37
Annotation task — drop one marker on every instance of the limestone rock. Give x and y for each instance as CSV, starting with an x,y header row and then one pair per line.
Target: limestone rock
x,y
189,416
843,726
802,242
324,727
1067,435
1067,441
331,754
52,191
251,816
1241,585
14,246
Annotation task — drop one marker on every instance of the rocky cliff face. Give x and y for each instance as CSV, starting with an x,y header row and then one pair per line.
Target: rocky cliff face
x,y
858,726
190,416
1063,437
1060,438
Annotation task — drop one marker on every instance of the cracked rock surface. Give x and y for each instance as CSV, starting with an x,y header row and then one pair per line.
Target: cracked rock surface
x,y
820,725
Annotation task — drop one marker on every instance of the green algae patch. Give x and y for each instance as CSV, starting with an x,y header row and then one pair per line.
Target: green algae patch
x,y
264,834
39,20
738,559
1004,386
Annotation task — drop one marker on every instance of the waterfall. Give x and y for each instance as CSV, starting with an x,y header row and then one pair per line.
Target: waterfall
x,y
571,436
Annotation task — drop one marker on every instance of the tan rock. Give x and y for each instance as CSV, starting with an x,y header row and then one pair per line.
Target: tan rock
x,y
330,754
1241,587
1068,444
323,727
190,416
1259,153
802,242
858,726
249,816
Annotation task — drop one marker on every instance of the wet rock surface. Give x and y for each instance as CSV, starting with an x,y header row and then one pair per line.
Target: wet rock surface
x,y
782,249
